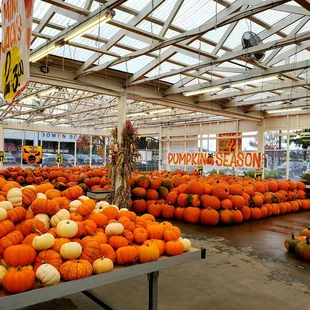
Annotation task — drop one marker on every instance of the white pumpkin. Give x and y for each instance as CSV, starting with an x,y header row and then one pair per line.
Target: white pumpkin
x,y
7,205
83,198
114,229
67,229
71,250
3,214
124,209
3,271
41,196
61,215
15,196
48,275
44,218
73,205
102,204
186,244
43,242
102,265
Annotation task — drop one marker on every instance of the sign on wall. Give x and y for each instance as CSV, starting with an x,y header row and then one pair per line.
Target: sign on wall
x,y
59,157
15,47
32,154
227,144
2,156
220,159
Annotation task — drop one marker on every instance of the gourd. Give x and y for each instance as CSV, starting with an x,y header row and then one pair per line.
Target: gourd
x,y
61,215
102,265
83,198
44,218
48,275
41,196
186,244
3,271
73,205
7,205
71,250
67,229
15,196
3,214
114,229
43,242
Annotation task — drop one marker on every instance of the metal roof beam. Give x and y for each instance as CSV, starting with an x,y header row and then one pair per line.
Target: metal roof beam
x,y
304,3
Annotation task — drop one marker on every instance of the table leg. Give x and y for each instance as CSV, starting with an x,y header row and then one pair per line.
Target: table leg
x,y
95,299
153,289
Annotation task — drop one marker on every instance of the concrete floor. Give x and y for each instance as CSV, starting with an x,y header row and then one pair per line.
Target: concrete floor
x,y
247,267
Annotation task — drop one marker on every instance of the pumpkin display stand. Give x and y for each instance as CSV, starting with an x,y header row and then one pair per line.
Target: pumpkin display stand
x,y
119,273
98,194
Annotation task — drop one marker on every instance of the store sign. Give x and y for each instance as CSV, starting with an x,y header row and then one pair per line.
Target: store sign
x,y
49,136
220,159
227,144
15,47
32,154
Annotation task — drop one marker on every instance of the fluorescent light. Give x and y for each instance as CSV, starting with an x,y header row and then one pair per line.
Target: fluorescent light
x,y
202,91
258,80
42,53
160,111
284,110
87,25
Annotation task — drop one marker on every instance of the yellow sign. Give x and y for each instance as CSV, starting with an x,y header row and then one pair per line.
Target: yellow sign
x,y
32,154
15,47
200,170
258,174
59,158
2,157
227,144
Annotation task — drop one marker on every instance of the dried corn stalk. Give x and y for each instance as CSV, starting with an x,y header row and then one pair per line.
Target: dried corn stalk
x,y
124,155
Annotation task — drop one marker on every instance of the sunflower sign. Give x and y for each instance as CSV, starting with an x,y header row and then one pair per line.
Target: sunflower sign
x,y
15,47
32,154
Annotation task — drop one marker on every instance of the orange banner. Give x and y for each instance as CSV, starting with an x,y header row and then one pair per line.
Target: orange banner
x,y
220,159
227,144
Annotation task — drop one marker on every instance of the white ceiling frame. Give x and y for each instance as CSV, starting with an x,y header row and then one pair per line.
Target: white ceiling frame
x,y
194,32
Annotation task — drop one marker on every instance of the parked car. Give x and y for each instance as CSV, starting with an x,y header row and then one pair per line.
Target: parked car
x,y
51,161
68,157
83,159
96,160
9,159
295,168
147,165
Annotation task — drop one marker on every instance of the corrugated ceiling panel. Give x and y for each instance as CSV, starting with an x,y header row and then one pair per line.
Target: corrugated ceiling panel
x,y
271,17
133,65
163,68
137,4
194,13
104,30
184,59
71,52
149,27
133,43
79,3
289,28
203,46
40,8
163,11
62,20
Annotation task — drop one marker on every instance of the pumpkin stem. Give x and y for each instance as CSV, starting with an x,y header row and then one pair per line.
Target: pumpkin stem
x,y
35,229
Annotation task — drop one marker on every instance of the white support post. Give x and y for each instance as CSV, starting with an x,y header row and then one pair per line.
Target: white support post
x,y
1,142
105,152
90,150
261,140
287,147
160,149
75,153
168,151
237,142
21,155
58,151
185,144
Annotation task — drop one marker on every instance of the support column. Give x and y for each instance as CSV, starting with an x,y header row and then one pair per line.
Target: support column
x,y
160,149
75,153
90,150
58,147
105,152
168,151
261,140
1,141
287,147
21,155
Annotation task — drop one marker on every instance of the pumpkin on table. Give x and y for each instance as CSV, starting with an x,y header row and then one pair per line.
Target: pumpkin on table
x,y
75,269
48,275
18,280
19,255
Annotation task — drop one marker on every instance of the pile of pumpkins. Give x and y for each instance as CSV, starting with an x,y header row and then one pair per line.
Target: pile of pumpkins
x,y
215,199
299,245
48,236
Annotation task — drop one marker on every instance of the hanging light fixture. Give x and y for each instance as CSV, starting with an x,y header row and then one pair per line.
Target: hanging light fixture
x,y
202,91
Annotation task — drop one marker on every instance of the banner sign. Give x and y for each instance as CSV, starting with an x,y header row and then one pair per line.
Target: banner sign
x,y
258,174
220,159
15,48
59,158
229,144
32,154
